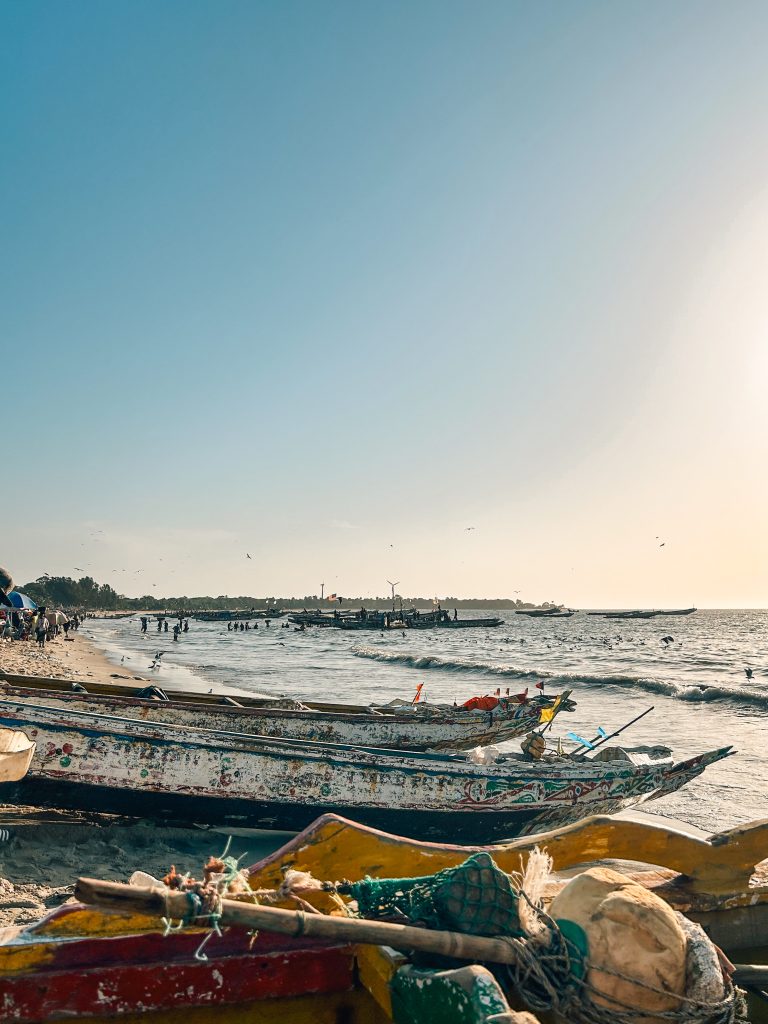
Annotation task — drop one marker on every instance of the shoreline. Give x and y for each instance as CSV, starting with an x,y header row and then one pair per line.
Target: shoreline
x,y
76,657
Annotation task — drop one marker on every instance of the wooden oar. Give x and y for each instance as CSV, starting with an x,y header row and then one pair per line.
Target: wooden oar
x,y
162,902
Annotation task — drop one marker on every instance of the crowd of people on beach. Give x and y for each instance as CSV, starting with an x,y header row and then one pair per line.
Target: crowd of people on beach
x,y
38,624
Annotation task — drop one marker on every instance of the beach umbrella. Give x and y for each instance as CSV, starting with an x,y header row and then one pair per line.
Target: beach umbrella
x,y
56,618
19,600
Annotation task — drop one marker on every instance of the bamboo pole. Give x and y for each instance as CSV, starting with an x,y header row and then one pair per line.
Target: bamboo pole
x,y
167,903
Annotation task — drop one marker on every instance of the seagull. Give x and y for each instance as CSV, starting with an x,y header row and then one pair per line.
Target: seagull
x,y
748,672
247,555
78,569
667,639
662,544
468,528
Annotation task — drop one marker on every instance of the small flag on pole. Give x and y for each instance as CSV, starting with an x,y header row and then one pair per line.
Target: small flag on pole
x,y
580,740
547,714
540,686
419,688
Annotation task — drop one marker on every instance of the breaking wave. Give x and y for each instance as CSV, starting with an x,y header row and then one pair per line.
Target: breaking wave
x,y
692,692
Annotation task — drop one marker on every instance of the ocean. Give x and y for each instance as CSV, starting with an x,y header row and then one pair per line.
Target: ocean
x,y
696,683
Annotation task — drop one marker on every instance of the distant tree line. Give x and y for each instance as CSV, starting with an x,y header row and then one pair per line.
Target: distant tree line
x,y
86,593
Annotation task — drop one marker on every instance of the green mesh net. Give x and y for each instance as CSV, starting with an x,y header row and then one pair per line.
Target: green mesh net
x,y
476,898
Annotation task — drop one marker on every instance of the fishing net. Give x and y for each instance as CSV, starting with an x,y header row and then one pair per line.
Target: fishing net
x,y
476,898
551,965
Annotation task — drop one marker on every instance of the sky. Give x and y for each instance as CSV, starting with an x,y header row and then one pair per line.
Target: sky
x,y
329,283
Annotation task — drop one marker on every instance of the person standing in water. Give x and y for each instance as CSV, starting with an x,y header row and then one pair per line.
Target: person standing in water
x,y
143,623
165,625
176,631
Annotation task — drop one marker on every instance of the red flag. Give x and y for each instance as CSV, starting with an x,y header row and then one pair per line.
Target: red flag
x,y
522,697
419,688
540,686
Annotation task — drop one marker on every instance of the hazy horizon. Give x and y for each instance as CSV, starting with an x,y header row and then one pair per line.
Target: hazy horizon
x,y
464,296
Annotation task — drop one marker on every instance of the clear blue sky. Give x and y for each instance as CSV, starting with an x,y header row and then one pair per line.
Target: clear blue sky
x,y
329,282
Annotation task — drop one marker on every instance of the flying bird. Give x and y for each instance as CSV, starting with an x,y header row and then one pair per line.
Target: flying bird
x,y
78,569
748,672
468,528
247,555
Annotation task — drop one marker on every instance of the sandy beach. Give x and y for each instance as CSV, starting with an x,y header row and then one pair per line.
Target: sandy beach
x,y
45,851
72,658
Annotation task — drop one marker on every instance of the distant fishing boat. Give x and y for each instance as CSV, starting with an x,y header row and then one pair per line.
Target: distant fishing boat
x,y
643,613
376,619
100,762
545,613
401,725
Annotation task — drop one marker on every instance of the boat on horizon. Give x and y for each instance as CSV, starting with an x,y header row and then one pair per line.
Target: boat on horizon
x,y
376,619
560,611
400,725
174,773
640,613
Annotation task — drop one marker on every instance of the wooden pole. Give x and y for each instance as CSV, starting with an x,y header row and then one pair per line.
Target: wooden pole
x,y
610,736
163,902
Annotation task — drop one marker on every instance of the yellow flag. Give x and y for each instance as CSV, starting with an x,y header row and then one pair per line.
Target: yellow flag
x,y
547,714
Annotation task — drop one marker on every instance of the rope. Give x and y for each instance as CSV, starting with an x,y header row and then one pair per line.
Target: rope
x,y
543,974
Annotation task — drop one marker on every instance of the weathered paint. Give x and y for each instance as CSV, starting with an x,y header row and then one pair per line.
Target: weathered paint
x,y
463,994
91,761
427,727
154,972
703,876
376,966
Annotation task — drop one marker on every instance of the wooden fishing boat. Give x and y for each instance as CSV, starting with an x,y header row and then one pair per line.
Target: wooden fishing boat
x,y
719,880
126,968
104,763
540,613
398,727
16,751
378,620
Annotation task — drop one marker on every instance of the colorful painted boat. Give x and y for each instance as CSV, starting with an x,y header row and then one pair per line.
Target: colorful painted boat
x,y
719,880
84,964
16,751
401,727
125,967
121,765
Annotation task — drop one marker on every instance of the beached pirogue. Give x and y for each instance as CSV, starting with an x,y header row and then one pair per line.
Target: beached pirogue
x,y
400,726
100,762
127,965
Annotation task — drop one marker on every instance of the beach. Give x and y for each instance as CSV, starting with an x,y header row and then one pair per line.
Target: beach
x,y
46,851
75,657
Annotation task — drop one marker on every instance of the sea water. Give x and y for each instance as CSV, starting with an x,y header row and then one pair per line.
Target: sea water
x,y
696,683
